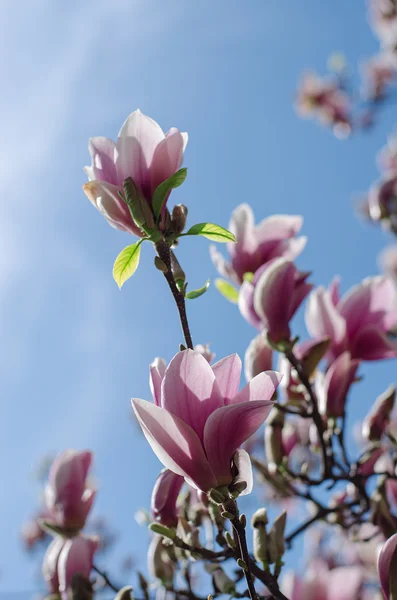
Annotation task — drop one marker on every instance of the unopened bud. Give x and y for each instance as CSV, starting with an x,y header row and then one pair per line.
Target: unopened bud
x,y
160,564
314,355
276,538
260,542
377,420
218,495
274,447
81,588
243,520
230,540
160,264
227,515
125,593
242,564
178,218
222,582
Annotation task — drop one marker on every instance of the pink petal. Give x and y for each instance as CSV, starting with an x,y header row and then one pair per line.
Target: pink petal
x,y
322,318
242,462
145,130
157,371
131,162
103,153
273,295
226,429
372,344
50,563
289,249
384,564
258,357
190,391
105,198
221,265
261,387
333,289
337,382
242,226
246,305
228,372
278,227
368,304
76,557
345,583
167,158
175,443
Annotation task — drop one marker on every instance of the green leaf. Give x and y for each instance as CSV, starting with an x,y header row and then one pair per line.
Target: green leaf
x,y
213,232
227,290
126,263
162,190
197,293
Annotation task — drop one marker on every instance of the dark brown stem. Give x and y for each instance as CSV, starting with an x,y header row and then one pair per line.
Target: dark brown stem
x,y
244,554
106,579
315,413
164,252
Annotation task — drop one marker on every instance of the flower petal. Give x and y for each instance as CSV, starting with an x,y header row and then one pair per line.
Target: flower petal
x,y
190,391
167,158
105,198
278,227
157,371
385,559
229,427
228,372
261,387
373,344
242,226
242,462
175,443
145,130
323,319
103,153
246,305
258,357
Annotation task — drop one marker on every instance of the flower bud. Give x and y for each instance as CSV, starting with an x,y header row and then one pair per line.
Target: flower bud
x,y
222,582
68,498
387,568
189,534
274,438
258,357
332,389
378,418
178,218
276,538
164,498
258,522
160,565
204,350
80,588
380,510
50,563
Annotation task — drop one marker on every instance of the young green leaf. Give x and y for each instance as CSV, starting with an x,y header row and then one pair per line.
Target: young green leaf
x,y
227,290
126,263
161,191
197,293
213,232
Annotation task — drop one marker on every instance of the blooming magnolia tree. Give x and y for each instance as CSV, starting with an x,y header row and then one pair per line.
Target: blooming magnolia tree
x,y
206,428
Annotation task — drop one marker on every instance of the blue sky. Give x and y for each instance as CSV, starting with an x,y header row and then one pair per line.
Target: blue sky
x,y
75,348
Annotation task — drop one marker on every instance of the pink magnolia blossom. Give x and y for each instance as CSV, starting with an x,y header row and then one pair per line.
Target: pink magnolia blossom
x,y
321,583
164,497
360,322
273,296
333,387
201,419
387,567
68,497
75,558
256,245
324,99
142,152
50,563
382,202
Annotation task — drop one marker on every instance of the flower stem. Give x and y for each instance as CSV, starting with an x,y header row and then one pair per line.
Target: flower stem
x,y
164,252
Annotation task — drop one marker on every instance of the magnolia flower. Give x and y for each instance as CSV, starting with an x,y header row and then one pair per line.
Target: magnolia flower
x,y
164,498
359,323
321,583
324,99
333,387
378,72
383,19
258,357
199,419
68,498
273,296
387,568
382,202
376,421
66,558
142,152
256,245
